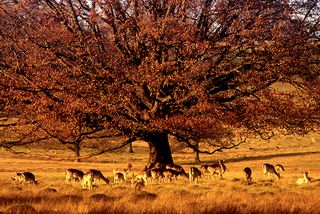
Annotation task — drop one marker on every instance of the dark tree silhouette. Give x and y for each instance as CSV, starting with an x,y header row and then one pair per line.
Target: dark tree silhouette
x,y
193,69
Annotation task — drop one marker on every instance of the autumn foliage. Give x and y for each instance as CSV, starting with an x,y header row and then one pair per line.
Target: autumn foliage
x,y
193,69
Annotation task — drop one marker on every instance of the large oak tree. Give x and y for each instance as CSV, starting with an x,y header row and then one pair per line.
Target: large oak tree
x,y
193,69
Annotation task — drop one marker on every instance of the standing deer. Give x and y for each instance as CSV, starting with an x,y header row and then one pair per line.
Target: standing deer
x,y
269,169
306,179
248,173
87,180
194,174
98,176
73,175
24,177
125,170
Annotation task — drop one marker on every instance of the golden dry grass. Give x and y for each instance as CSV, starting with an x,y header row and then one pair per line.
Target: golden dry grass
x,y
232,194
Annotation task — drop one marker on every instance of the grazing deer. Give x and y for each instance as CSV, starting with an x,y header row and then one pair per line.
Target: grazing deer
x,y
73,175
248,173
24,177
177,168
194,174
137,183
119,177
306,179
87,180
17,177
169,174
269,169
125,171
141,176
204,168
279,168
156,175
218,168
98,176
156,165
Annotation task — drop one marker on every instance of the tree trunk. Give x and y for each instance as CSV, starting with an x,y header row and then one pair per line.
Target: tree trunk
x,y
130,148
196,153
160,152
77,151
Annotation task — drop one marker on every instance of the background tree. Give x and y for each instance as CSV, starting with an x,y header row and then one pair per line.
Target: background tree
x,y
130,150
191,69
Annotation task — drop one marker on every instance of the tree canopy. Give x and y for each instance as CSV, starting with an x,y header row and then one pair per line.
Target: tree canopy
x,y
194,69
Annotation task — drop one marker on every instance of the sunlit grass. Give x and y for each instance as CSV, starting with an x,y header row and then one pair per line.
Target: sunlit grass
x,y
231,194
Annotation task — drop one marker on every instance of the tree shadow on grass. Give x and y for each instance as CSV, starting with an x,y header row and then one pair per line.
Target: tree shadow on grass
x,y
260,157
265,157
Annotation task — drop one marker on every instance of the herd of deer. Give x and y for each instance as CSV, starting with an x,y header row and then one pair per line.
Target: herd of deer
x,y
159,173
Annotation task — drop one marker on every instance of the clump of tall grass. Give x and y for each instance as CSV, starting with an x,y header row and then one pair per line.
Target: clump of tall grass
x,y
209,197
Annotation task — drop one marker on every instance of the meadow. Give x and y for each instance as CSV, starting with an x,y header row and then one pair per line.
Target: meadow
x,y
231,194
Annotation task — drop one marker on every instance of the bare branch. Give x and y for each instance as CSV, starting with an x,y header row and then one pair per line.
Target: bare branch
x,y
9,149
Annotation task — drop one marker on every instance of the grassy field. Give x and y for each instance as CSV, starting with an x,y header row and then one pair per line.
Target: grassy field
x,y
231,194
